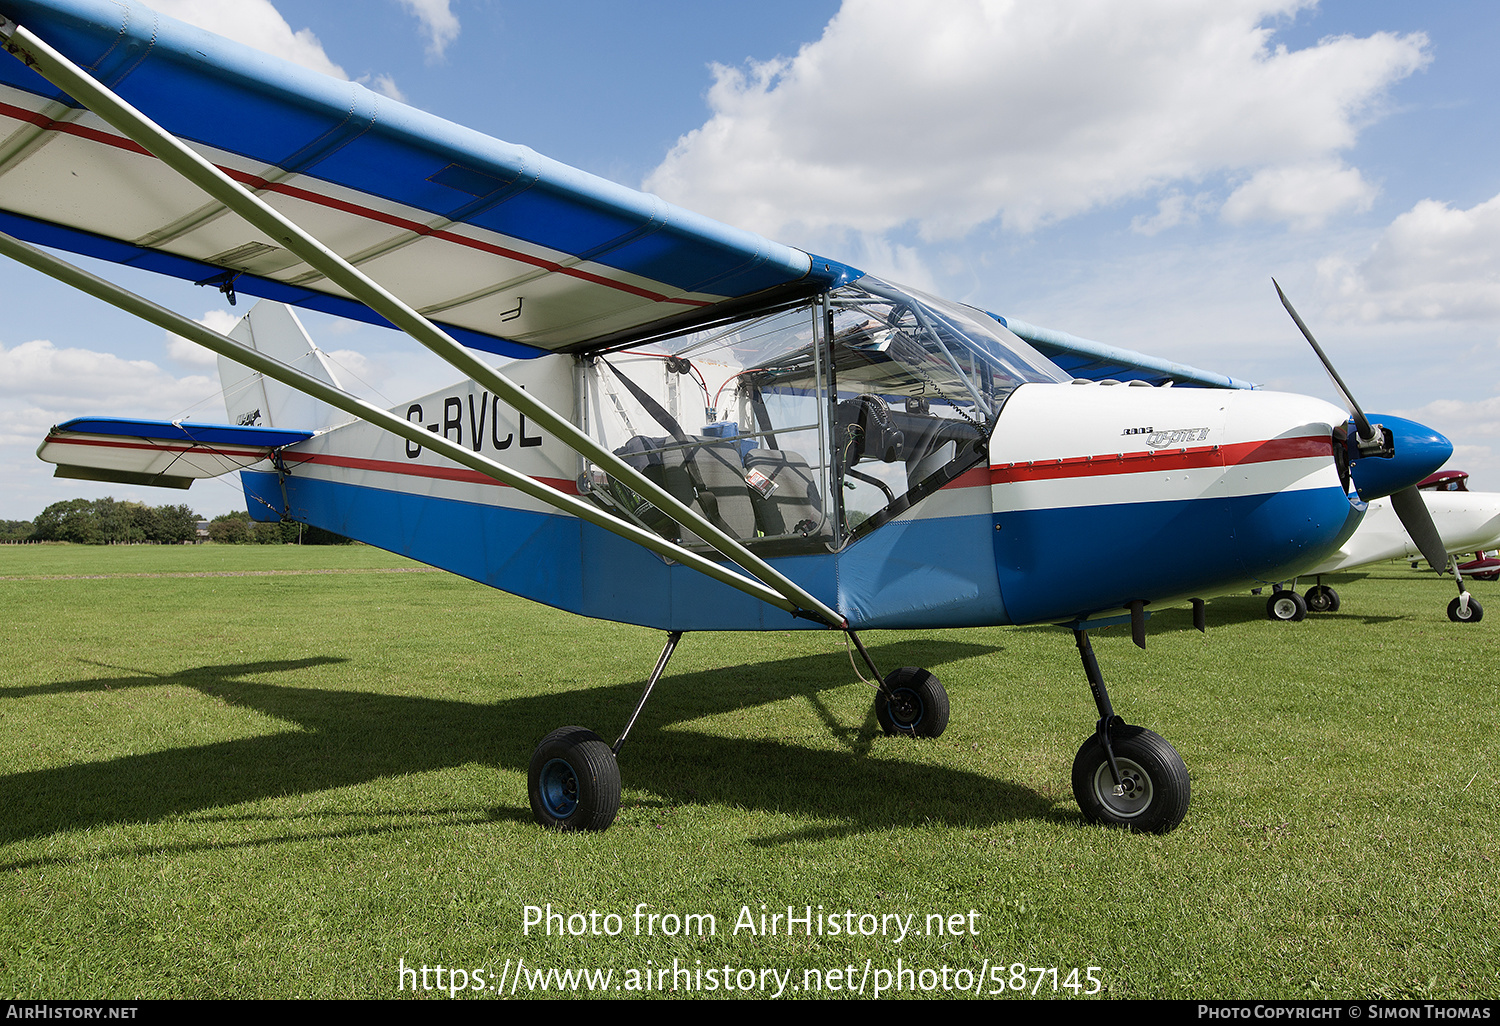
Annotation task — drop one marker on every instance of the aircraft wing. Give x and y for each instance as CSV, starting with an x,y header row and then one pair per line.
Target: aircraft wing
x,y
509,251
154,452
1084,358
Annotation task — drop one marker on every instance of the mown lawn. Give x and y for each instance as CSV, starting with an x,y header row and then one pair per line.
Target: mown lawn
x,y
223,782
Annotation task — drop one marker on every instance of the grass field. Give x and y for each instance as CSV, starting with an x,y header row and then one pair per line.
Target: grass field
x,y
222,782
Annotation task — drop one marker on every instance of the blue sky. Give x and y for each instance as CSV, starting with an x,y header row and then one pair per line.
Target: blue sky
x,y
1133,173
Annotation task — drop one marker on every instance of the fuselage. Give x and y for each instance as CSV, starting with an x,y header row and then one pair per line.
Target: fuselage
x,y
1091,496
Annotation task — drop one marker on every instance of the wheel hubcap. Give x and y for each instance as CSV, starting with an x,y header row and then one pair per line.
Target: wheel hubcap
x,y
1134,789
1285,609
559,788
905,709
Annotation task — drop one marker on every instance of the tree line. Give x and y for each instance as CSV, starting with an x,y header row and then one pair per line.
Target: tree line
x,y
114,522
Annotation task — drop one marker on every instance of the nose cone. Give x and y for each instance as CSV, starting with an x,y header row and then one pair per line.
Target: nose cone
x,y
1419,451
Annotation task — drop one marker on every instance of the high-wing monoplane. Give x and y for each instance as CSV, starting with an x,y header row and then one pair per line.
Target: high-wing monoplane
x,y
700,429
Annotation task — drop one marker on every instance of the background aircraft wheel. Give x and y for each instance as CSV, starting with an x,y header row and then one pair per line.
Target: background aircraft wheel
x,y
918,704
574,781
1322,600
1286,605
1153,777
1457,615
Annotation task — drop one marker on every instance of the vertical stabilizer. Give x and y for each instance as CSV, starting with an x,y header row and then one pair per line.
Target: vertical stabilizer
x,y
254,400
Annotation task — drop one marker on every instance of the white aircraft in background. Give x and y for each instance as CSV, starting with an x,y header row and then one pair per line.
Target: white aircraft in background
x,y
1466,521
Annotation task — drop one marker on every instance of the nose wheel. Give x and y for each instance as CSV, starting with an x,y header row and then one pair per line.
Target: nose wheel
x,y
1461,612
1125,776
1153,791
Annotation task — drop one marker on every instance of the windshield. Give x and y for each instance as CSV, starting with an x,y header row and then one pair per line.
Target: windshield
x,y
819,422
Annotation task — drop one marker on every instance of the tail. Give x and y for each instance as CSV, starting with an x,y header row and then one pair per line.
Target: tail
x,y
264,415
252,399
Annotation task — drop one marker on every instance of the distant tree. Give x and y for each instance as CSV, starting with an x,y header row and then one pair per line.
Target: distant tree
x,y
16,530
232,529
73,520
174,525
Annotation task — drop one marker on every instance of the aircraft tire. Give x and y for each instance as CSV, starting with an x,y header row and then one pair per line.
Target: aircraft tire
x,y
1286,606
574,781
1475,614
1321,600
1156,779
918,706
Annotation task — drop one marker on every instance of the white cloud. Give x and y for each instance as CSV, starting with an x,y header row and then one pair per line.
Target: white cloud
x,y
1432,263
1303,195
385,85
255,23
438,24
179,348
1172,210
41,385
956,114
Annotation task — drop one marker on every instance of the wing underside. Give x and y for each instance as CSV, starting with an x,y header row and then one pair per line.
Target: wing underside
x,y
512,251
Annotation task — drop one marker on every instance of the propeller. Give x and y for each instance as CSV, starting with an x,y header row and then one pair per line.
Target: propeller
x,y
1422,451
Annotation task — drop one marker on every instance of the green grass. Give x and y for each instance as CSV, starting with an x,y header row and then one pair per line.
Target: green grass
x,y
229,784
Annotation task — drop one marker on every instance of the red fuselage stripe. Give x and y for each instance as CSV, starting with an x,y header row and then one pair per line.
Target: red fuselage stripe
x,y
1192,458
416,470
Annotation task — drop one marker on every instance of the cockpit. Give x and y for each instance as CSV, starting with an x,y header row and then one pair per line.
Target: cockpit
x,y
805,428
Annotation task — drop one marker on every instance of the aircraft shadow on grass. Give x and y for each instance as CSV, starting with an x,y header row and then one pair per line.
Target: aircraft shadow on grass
x,y
352,737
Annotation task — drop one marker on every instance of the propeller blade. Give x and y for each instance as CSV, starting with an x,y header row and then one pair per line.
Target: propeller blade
x,y
1366,432
1417,519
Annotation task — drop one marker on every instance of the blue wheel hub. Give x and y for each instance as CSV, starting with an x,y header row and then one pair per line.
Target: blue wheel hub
x,y
559,788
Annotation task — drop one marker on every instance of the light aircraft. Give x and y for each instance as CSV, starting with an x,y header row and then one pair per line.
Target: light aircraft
x,y
701,429
1465,521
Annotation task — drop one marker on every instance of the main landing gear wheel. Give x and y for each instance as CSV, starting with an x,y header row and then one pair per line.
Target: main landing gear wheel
x,y
1286,605
1458,614
917,705
574,781
1153,792
1322,600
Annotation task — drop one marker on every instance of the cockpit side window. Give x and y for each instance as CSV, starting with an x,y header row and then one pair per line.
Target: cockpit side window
x,y
817,424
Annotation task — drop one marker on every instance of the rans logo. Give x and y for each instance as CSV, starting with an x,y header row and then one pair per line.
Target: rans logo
x,y
1173,436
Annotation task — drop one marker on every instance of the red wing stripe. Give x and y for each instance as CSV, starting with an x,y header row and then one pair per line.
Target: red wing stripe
x,y
369,213
417,470
1192,458
201,447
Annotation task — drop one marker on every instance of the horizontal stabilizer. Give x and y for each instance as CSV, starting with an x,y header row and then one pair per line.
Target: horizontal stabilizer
x,y
157,452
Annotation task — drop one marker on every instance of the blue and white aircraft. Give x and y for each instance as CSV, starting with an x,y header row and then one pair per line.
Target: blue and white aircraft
x,y
698,429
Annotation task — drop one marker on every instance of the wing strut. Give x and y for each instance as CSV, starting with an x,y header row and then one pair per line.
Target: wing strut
x,y
252,358
103,102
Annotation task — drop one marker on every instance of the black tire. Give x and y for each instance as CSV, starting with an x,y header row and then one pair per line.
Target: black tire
x,y
1475,613
1154,775
574,781
1286,606
917,705
1322,600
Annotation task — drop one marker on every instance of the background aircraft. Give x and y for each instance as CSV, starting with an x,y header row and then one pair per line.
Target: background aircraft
x,y
916,463
1466,521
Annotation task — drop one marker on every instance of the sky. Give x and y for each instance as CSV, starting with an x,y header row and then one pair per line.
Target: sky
x,y
1132,173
